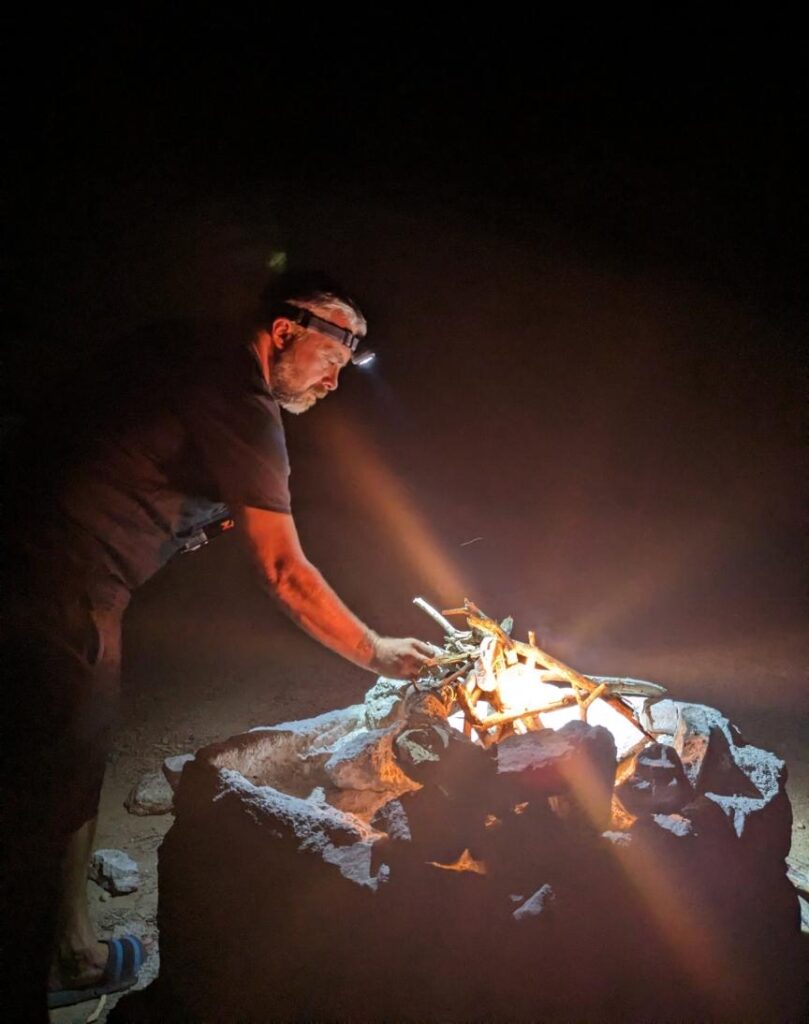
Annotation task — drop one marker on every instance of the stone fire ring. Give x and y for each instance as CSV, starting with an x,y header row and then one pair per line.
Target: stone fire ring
x,y
371,864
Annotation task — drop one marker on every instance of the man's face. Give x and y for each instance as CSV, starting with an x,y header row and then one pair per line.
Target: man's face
x,y
308,367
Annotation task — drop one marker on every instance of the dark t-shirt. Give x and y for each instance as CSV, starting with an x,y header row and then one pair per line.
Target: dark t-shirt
x,y
169,432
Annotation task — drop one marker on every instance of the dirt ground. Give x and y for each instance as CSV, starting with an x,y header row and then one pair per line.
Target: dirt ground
x,y
185,688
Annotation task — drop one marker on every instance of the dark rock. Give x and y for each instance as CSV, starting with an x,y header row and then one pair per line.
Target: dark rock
x,y
720,773
276,907
704,740
657,782
576,762
114,871
291,877
436,753
151,794
392,819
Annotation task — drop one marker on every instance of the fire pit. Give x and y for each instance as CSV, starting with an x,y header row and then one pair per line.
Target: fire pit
x,y
505,840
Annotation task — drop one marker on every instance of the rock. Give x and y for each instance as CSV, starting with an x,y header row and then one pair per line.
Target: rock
x,y
434,752
804,905
423,747
366,761
392,819
173,769
386,901
293,874
114,871
657,782
576,762
706,745
151,794
748,784
535,905
384,702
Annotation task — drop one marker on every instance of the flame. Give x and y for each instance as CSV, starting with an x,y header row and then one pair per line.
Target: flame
x,y
466,862
521,688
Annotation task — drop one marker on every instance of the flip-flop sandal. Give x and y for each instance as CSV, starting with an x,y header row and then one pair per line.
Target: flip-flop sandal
x,y
124,959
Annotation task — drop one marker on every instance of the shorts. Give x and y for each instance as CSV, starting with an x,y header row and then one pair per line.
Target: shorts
x,y
61,666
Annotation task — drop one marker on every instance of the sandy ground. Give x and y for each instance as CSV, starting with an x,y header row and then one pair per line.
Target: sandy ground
x,y
178,696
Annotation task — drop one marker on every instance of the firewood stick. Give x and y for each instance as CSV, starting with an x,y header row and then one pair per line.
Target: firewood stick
x,y
469,713
531,658
506,717
624,767
593,695
577,679
436,616
570,675
493,629
453,659
452,677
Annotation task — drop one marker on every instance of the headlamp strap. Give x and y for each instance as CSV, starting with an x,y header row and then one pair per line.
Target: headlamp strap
x,y
306,318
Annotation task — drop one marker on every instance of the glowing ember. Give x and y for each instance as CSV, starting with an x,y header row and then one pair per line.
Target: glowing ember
x,y
466,862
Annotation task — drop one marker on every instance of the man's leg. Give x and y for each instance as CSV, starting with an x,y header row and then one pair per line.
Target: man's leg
x,y
78,957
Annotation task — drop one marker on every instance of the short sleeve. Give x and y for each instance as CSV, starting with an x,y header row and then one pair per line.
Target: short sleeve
x,y
235,425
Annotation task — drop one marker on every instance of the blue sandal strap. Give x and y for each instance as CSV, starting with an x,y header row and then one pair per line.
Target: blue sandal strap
x,y
115,962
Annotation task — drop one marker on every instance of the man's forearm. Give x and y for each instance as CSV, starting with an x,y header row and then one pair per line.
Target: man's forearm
x,y
310,602
308,599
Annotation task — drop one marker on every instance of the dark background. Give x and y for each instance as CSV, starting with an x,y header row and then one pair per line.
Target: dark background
x,y
582,253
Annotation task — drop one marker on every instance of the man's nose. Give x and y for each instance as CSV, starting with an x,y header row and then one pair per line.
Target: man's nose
x,y
331,381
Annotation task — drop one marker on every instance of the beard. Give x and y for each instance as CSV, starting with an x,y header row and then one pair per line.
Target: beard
x,y
286,390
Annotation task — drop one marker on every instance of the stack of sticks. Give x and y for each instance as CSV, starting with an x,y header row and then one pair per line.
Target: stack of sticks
x,y
486,648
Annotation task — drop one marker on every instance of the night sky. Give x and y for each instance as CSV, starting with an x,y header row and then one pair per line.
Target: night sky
x,y
582,254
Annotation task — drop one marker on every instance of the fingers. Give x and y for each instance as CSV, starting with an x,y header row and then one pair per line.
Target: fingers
x,y
401,658
422,648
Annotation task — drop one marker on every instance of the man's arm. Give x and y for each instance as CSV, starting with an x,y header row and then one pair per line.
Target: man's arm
x,y
309,600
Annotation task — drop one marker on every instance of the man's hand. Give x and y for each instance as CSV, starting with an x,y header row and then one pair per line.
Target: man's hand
x,y
399,658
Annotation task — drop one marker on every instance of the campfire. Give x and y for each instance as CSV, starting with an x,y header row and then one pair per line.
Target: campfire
x,y
506,839
503,686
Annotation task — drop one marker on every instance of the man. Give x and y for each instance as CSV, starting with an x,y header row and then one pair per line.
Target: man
x,y
173,434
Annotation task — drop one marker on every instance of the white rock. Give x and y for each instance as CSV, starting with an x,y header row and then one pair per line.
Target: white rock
x,y
150,795
618,838
384,702
536,904
114,871
173,768
674,823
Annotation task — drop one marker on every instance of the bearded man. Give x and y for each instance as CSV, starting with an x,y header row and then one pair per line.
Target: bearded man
x,y
173,435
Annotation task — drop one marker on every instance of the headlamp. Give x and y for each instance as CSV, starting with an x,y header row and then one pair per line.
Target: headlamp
x,y
306,318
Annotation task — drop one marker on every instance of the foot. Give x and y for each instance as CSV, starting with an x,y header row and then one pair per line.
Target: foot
x,y
78,977
79,967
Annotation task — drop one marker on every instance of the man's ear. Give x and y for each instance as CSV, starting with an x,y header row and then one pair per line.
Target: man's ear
x,y
281,333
